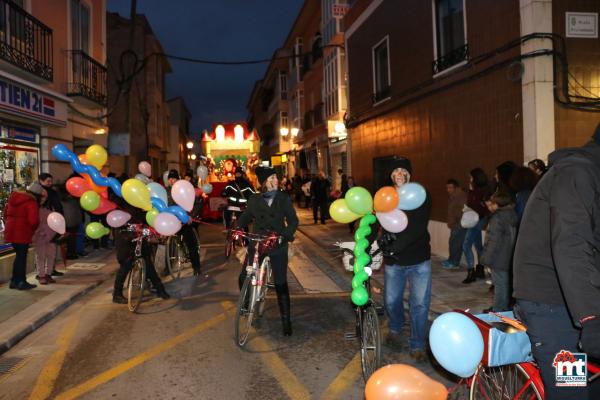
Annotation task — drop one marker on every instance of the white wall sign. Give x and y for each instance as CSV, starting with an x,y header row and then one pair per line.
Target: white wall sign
x,y
581,25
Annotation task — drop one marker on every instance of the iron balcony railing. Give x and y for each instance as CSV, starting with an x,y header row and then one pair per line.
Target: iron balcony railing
x,y
456,56
88,78
24,41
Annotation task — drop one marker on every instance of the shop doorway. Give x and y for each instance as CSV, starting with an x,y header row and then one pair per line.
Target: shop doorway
x,y
382,166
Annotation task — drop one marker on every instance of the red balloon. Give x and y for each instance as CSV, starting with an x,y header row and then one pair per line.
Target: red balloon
x,y
104,194
77,186
104,207
198,192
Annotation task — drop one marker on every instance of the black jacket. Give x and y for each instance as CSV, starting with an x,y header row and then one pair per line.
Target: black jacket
x,y
53,201
238,192
412,245
557,259
280,217
319,189
500,239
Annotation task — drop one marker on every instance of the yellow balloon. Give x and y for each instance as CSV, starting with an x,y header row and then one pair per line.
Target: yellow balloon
x,y
137,194
96,155
340,212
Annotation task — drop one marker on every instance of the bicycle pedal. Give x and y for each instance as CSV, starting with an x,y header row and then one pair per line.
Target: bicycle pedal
x,y
349,336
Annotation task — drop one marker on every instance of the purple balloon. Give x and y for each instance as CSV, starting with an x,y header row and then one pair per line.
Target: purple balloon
x,y
166,224
394,221
117,218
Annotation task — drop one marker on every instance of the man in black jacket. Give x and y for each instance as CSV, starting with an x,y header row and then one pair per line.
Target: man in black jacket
x,y
319,191
407,257
557,263
237,192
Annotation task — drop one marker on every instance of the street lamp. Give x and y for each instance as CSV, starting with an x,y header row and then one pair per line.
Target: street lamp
x,y
189,145
284,131
295,132
193,157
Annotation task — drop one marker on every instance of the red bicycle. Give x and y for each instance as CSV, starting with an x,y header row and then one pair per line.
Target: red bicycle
x,y
520,381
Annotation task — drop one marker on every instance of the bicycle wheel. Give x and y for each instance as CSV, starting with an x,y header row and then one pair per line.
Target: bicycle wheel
x,y
136,284
505,382
370,341
175,256
245,312
264,288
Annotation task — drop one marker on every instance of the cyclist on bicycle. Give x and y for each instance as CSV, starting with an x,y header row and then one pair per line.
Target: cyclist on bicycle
x,y
272,211
187,230
237,192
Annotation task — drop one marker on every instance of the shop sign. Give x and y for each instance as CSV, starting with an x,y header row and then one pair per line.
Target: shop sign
x,y
29,103
582,25
19,133
339,10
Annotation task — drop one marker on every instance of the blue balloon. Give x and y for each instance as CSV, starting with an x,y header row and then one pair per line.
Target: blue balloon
x,y
412,196
157,190
456,343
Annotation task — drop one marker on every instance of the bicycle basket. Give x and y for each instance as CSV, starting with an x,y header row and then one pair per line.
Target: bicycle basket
x,y
505,348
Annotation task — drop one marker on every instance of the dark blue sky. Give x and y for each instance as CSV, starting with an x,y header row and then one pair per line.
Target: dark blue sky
x,y
215,29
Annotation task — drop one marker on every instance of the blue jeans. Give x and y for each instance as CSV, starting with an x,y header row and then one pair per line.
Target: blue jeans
x,y
419,283
550,330
455,245
473,238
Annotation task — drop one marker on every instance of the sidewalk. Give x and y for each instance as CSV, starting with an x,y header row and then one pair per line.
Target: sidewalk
x,y
22,312
447,292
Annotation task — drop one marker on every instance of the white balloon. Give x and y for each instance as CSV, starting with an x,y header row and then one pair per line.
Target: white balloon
x,y
158,191
166,224
202,172
469,219
56,222
166,178
207,188
117,218
143,178
183,194
145,168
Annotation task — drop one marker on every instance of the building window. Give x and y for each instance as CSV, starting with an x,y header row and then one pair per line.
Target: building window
x,y
450,34
80,26
381,70
283,119
283,85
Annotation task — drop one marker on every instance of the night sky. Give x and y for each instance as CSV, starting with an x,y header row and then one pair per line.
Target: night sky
x,y
230,30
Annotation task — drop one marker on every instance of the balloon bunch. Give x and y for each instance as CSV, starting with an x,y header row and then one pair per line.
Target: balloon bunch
x,y
390,204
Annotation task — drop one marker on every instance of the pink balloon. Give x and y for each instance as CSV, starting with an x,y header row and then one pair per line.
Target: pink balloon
x,y
183,193
394,221
145,168
166,224
56,222
117,218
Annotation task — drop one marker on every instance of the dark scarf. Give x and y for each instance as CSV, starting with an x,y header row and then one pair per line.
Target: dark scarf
x,y
269,196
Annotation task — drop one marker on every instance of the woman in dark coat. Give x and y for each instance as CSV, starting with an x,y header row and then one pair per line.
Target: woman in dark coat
x,y
272,211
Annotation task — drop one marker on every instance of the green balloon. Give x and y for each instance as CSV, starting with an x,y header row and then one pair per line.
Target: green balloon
x,y
359,200
360,296
150,215
367,220
96,230
363,260
358,268
358,251
90,200
362,233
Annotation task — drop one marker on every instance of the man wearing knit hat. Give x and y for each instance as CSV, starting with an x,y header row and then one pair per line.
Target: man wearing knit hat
x,y
556,264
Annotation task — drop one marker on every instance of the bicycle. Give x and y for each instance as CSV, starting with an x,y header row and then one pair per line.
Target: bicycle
x,y
178,253
136,279
258,280
367,330
512,381
230,244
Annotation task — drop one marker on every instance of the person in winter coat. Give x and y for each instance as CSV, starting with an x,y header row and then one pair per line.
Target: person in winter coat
x,y
237,192
53,202
522,182
45,248
22,218
272,211
319,191
479,192
497,253
456,202
407,258
557,264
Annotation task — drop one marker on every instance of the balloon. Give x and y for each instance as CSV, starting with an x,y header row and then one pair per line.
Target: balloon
x,y
90,200
183,194
456,343
362,261
77,186
104,207
166,178
104,195
82,158
394,221
386,199
96,230
359,278
136,194
145,168
359,200
403,382
151,215
340,212
166,224
469,219
92,185
412,196
117,218
367,220
96,155
143,178
207,188
202,172
198,192
362,232
157,190
175,210
56,222
360,296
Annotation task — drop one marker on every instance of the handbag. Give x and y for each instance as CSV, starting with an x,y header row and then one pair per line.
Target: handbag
x,y
469,218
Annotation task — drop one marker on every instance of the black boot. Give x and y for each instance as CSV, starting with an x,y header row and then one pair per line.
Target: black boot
x,y
161,292
470,277
283,299
118,288
479,272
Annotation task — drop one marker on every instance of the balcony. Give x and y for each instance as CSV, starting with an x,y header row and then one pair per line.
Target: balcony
x,y
25,42
87,79
456,56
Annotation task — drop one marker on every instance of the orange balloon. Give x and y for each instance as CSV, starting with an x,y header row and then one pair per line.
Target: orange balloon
x,y
93,186
403,382
386,199
82,158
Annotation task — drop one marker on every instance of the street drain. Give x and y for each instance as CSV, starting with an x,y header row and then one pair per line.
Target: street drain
x,y
9,365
